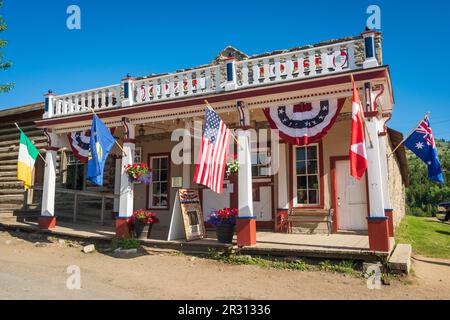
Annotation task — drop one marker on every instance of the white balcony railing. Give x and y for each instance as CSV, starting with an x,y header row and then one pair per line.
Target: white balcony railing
x,y
252,72
177,85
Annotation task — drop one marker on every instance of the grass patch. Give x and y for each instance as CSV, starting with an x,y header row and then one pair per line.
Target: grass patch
x,y
125,243
428,237
345,267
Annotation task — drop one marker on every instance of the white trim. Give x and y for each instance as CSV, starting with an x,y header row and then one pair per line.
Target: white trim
x,y
294,177
150,189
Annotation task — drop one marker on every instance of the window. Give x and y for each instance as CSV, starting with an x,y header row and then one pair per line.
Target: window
x,y
159,189
75,172
306,177
260,163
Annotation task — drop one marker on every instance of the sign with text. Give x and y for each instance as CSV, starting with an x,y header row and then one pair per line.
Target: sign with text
x,y
192,214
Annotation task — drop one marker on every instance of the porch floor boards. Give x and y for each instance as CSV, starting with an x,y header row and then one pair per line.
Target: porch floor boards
x,y
334,246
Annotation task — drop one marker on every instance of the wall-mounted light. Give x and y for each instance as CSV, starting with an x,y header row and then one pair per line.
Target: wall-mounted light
x,y
141,130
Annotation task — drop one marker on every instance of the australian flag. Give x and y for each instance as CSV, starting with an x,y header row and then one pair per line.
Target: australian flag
x,y
422,143
99,147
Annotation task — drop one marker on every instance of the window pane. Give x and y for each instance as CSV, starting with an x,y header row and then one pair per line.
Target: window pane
x,y
301,182
155,201
155,175
300,153
254,158
301,167
155,163
254,171
312,152
313,196
163,201
312,167
301,197
164,188
313,182
163,175
164,163
155,188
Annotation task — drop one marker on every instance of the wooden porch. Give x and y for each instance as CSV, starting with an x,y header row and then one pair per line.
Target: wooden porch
x,y
334,246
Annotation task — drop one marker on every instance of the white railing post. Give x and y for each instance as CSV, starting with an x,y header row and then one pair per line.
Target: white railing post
x,y
231,83
49,104
369,49
128,98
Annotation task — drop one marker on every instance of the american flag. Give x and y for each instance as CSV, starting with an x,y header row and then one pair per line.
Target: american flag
x,y
210,169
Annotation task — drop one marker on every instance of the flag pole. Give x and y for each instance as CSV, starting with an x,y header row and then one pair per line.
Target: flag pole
x,y
364,118
40,155
234,137
407,136
120,147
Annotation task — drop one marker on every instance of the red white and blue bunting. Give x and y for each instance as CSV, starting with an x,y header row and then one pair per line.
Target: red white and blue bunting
x,y
304,123
79,141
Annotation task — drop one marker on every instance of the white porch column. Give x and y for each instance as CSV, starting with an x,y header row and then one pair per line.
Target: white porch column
x,y
374,169
283,200
377,221
126,187
382,139
47,219
187,155
245,174
117,179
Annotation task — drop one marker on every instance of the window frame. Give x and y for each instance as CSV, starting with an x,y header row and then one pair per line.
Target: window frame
x,y
150,186
293,178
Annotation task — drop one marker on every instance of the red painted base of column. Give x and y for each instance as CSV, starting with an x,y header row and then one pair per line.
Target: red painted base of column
x,y
246,231
46,222
390,214
122,228
378,233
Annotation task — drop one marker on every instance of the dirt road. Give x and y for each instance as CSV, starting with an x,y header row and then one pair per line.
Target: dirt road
x,y
30,271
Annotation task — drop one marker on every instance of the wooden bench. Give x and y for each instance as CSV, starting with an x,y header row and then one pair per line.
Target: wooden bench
x,y
310,216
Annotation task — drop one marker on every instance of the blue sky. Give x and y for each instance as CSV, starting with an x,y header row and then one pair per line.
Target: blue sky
x,y
143,37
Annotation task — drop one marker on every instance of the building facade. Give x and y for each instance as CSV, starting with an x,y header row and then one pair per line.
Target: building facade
x,y
291,113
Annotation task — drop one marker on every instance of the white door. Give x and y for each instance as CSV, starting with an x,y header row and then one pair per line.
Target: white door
x,y
262,209
351,199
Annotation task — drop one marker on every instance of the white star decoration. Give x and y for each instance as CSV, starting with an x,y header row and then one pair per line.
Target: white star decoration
x,y
419,145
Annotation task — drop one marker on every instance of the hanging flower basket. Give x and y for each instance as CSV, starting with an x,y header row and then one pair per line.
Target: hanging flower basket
x,y
139,173
142,222
232,166
225,221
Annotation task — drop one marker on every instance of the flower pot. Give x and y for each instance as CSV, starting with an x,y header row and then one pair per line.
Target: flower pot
x,y
225,233
142,231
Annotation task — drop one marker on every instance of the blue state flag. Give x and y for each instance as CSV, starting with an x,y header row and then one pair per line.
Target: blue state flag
x,y
421,142
99,147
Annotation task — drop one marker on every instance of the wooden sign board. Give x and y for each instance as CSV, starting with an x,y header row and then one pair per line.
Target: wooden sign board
x,y
187,208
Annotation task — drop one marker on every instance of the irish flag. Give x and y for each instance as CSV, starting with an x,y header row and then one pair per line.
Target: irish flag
x,y
27,156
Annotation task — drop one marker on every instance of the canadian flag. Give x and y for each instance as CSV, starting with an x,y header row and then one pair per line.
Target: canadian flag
x,y
358,154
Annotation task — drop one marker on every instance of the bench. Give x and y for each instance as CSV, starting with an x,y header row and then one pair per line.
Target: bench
x,y
310,216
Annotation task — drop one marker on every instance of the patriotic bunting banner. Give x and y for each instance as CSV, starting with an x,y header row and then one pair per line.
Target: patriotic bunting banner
x,y
304,123
79,142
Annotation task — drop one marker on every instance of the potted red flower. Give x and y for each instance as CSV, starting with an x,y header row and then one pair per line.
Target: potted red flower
x,y
142,222
225,221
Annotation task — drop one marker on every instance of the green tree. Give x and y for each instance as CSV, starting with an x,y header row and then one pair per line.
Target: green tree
x,y
4,64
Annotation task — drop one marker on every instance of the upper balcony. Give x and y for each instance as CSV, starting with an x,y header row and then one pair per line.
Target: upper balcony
x,y
231,70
